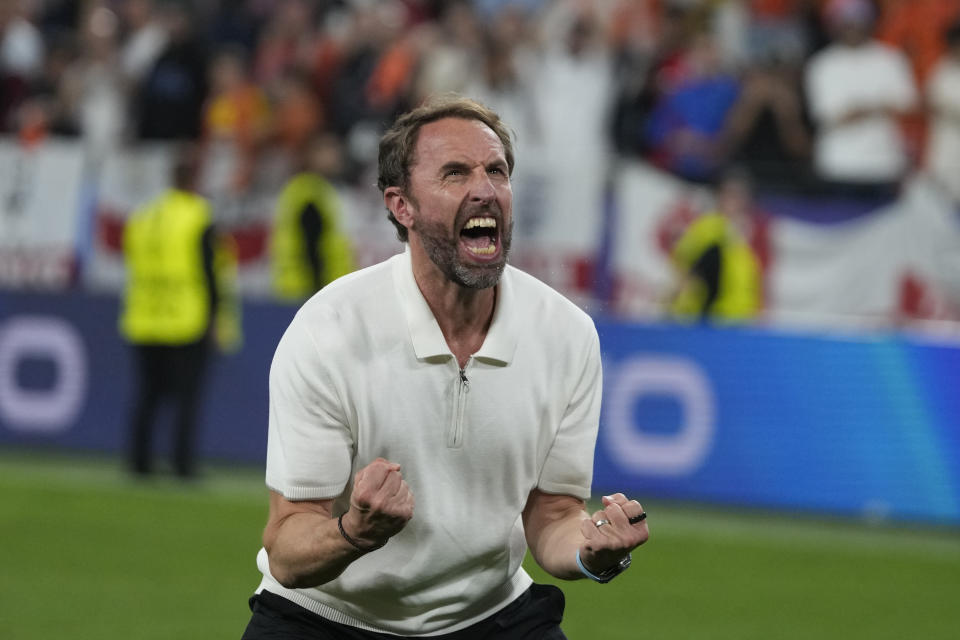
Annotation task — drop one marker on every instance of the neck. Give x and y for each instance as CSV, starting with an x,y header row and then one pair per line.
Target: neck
x,y
463,314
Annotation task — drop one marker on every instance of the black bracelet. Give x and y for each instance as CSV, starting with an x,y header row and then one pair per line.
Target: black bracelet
x,y
353,542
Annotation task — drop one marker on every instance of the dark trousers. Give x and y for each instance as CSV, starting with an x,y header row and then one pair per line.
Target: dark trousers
x,y
174,373
535,615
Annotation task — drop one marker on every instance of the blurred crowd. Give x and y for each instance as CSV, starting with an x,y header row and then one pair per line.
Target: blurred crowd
x,y
801,93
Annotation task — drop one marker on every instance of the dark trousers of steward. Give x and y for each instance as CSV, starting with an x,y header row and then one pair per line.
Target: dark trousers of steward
x,y
535,615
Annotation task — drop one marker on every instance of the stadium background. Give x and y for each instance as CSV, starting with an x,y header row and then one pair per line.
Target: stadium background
x,y
804,469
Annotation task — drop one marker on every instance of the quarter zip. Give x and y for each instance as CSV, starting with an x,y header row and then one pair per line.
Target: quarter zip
x,y
460,393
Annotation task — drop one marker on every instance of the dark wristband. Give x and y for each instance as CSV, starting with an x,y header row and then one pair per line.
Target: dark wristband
x,y
353,542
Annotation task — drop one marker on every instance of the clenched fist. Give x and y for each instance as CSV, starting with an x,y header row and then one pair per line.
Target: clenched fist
x,y
609,534
380,506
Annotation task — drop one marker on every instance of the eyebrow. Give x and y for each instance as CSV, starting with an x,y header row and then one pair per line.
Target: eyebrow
x,y
454,164
463,166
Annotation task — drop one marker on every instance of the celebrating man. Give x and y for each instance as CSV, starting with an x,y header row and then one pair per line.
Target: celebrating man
x,y
434,416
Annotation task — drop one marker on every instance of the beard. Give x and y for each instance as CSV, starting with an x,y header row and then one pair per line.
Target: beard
x,y
442,246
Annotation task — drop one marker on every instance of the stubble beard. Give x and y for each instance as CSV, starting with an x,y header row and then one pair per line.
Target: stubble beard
x,y
442,248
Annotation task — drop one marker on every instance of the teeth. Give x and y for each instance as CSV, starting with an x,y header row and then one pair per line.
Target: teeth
x,y
473,223
483,251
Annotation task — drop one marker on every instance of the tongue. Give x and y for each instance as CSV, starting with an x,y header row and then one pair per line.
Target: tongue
x,y
480,242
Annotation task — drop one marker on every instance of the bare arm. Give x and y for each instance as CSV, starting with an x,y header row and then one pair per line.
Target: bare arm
x,y
303,539
552,526
557,526
303,543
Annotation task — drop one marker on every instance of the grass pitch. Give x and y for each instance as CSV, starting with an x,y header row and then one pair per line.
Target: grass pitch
x,y
87,553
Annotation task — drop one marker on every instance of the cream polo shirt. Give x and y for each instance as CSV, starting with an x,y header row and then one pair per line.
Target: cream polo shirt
x,y
363,371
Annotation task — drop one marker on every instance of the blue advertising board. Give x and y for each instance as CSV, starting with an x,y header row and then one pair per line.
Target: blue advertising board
x,y
849,425
738,416
67,379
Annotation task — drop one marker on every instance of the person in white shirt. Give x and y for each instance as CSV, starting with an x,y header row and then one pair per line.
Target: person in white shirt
x,y
434,416
857,87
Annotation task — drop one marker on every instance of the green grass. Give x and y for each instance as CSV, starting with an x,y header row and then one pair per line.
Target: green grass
x,y
86,553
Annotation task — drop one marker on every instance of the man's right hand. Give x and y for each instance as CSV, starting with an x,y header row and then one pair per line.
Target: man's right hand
x,y
381,503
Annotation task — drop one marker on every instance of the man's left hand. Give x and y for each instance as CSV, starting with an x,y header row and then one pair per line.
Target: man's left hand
x,y
615,537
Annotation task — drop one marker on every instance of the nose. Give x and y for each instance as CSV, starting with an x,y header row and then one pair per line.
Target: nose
x,y
482,190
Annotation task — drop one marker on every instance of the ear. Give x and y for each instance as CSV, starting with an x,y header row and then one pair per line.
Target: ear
x,y
399,205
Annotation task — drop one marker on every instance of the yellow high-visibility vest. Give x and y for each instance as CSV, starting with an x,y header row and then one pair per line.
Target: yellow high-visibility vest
x,y
740,295
167,300
292,275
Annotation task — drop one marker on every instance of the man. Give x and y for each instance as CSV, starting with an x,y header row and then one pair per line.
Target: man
x,y
720,274
441,376
308,248
857,89
179,295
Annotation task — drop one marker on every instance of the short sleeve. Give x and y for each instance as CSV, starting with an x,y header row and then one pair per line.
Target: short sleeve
x,y
568,468
309,444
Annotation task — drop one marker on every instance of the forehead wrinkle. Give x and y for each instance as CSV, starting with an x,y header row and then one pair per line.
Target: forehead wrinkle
x,y
462,139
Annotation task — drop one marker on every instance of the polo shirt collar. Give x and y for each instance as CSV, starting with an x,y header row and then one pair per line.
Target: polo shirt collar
x,y
428,341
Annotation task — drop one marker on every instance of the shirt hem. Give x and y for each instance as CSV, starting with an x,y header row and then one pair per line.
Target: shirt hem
x,y
517,585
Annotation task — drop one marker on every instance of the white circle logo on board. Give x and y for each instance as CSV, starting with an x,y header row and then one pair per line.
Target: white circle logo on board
x,y
49,410
678,453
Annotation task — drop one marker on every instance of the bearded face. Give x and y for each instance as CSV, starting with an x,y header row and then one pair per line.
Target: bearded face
x,y
473,251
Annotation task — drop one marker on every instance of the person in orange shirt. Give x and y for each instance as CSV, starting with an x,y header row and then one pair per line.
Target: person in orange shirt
x,y
915,27
237,113
297,113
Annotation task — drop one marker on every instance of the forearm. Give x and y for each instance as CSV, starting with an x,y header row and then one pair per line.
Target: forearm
x,y
307,550
305,544
555,546
558,528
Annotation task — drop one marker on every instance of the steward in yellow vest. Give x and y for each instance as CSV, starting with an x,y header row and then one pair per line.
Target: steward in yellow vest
x,y
721,274
179,298
308,248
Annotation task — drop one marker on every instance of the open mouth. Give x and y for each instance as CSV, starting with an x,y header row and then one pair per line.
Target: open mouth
x,y
480,236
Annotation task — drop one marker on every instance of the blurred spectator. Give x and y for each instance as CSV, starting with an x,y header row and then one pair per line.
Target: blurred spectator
x,y
573,86
47,110
93,88
297,113
648,41
234,22
943,100
767,129
392,79
21,46
910,26
285,43
505,80
454,46
857,88
22,51
236,118
720,274
145,39
308,247
178,302
685,127
171,98
354,54
778,30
